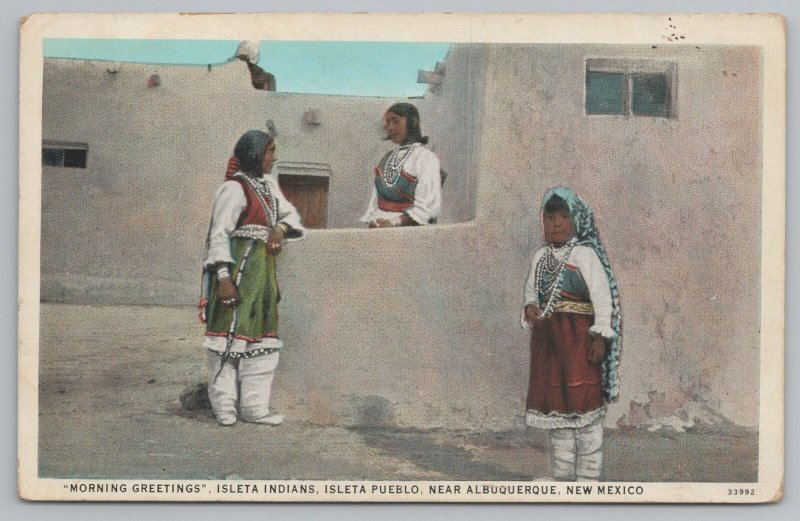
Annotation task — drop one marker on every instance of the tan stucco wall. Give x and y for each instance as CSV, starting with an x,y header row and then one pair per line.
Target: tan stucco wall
x,y
157,155
677,202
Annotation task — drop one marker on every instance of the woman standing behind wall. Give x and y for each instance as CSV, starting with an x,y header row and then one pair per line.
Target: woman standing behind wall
x,y
407,189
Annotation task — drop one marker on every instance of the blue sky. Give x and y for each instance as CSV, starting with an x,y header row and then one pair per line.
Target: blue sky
x,y
321,67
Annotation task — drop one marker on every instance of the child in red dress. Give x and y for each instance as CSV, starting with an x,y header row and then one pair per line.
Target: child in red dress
x,y
572,309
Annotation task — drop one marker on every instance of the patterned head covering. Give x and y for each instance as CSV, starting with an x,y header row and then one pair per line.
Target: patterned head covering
x,y
249,150
587,234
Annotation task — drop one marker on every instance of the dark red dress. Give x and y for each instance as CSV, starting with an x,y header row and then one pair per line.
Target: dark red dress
x,y
561,378
563,383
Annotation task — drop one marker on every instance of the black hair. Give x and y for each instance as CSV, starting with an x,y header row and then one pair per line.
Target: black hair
x,y
410,112
249,151
556,203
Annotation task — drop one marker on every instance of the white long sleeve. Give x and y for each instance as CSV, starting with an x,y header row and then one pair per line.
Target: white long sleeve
x,y
593,273
372,208
531,295
587,261
229,202
287,213
428,195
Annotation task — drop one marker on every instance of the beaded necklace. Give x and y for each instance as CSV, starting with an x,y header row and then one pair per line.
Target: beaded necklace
x,y
548,274
394,163
268,202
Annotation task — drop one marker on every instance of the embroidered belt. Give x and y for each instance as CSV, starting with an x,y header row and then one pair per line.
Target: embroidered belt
x,y
249,354
392,206
252,231
571,306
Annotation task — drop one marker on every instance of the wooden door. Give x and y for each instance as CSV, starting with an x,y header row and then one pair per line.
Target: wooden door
x,y
310,195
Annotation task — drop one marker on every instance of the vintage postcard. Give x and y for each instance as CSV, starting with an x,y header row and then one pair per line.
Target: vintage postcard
x,y
402,257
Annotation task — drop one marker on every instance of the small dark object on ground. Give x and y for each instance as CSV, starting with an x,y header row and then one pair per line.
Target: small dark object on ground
x,y
195,398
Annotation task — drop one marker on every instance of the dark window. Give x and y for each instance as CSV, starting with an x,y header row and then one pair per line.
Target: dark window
x,y
74,158
69,155
605,93
53,156
630,87
650,95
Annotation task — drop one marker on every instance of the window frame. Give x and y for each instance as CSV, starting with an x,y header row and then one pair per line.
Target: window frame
x,y
629,69
64,146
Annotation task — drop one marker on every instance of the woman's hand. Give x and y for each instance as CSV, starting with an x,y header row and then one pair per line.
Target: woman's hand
x,y
380,223
532,316
530,313
405,220
275,241
400,220
227,292
597,349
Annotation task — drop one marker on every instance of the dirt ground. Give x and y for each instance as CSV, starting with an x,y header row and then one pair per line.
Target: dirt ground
x,y
111,377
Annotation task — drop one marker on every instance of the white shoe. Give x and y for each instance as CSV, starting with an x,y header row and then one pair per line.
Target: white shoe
x,y
226,420
270,419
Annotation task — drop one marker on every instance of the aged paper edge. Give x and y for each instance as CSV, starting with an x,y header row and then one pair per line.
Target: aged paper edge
x,y
766,31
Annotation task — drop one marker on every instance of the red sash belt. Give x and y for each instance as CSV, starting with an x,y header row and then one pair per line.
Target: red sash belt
x,y
392,206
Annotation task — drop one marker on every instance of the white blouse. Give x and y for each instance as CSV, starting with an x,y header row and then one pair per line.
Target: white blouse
x,y
587,261
229,203
424,165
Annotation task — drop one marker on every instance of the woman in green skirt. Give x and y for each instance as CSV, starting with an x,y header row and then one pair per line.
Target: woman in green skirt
x,y
250,222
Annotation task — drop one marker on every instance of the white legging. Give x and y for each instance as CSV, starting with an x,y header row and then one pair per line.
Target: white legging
x,y
589,441
247,381
577,454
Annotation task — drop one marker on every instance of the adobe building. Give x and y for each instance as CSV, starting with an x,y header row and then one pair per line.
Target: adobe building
x,y
419,327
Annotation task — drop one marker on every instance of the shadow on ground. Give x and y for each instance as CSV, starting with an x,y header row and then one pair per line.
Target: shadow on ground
x,y
109,408
446,453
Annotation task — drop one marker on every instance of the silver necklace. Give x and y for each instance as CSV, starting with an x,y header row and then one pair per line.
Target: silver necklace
x,y
395,161
548,275
262,190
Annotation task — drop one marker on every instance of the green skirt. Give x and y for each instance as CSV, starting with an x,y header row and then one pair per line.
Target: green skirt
x,y
258,295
